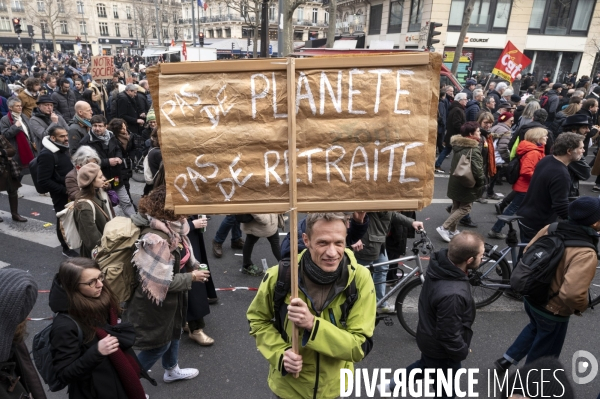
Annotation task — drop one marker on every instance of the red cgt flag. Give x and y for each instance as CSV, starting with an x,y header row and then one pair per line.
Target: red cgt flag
x,y
510,63
184,52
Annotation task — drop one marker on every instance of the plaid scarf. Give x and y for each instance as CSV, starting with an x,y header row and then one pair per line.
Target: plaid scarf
x,y
155,260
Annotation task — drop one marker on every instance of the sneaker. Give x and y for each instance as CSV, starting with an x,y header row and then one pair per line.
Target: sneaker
x,y
467,223
386,309
499,236
481,200
453,233
253,270
20,194
439,170
217,248
445,234
237,244
596,189
494,197
179,374
69,253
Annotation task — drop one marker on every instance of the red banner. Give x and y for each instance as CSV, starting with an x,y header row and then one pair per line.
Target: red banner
x,y
510,63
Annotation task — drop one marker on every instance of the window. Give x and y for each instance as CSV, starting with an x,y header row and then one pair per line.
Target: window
x,y
5,24
101,8
64,28
416,12
128,12
130,30
165,33
326,18
80,7
560,17
103,29
3,5
272,13
315,15
300,14
117,30
41,6
61,6
18,5
44,26
115,12
175,17
154,32
375,19
82,28
396,12
488,15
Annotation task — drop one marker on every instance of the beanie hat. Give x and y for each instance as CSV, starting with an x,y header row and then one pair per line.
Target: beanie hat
x,y
471,82
87,174
515,98
151,116
585,210
19,292
505,116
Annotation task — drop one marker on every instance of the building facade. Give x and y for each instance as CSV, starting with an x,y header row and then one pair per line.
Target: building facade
x,y
103,27
558,36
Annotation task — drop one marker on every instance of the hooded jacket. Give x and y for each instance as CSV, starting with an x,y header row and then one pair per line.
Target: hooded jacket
x,y
88,373
329,347
501,134
574,273
51,170
40,123
28,101
446,310
530,154
456,191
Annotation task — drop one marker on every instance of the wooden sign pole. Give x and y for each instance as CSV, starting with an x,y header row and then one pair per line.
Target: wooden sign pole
x,y
291,87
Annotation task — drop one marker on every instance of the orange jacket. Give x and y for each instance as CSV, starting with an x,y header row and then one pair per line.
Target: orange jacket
x,y
530,155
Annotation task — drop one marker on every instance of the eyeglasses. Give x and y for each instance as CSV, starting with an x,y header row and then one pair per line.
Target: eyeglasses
x,y
94,282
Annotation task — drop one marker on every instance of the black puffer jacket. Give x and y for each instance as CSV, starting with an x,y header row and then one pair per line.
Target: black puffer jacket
x,y
446,311
456,118
88,373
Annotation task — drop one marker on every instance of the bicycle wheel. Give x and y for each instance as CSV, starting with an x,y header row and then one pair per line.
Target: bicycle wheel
x,y
407,306
491,273
595,288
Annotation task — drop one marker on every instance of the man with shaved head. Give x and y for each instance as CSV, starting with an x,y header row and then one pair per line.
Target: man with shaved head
x,y
80,126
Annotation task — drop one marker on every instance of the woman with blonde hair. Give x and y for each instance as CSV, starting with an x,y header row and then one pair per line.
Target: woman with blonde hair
x,y
530,151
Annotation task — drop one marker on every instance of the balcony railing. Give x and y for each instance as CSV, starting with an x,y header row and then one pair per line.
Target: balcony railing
x,y
18,9
102,16
3,7
222,18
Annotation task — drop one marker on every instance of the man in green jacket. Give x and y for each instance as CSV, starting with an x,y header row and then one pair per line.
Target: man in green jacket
x,y
327,343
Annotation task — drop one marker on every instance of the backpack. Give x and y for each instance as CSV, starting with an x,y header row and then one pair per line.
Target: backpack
x,y
533,275
513,170
148,177
42,355
33,165
68,228
114,254
544,102
283,288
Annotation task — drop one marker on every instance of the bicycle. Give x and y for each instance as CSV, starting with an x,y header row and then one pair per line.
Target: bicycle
x,y
137,168
407,301
492,279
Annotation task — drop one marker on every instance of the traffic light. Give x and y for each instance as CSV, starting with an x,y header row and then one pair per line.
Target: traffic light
x,y
433,32
17,25
201,39
30,30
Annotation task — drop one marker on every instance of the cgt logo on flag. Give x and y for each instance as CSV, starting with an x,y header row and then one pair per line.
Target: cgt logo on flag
x,y
510,63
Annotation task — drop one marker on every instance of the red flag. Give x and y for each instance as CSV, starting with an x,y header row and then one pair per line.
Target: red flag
x,y
510,63
184,51
172,42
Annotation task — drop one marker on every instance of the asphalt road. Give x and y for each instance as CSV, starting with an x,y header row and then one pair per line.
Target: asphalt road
x,y
233,367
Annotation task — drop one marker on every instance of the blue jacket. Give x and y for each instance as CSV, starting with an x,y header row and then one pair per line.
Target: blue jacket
x,y
3,107
472,111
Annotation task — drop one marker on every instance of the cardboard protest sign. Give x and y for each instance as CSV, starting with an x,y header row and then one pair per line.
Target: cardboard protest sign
x,y
366,129
510,63
102,67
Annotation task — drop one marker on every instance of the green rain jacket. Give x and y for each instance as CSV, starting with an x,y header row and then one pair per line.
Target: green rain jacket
x,y
326,349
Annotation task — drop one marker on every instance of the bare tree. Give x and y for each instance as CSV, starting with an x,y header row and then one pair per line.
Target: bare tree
x,y
50,13
143,13
332,10
463,32
250,11
289,6
166,9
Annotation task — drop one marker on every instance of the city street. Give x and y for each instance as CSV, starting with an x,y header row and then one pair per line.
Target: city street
x,y
232,367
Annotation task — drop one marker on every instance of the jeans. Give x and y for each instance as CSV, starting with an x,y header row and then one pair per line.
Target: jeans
x,y
229,223
249,246
379,274
125,201
430,363
169,354
509,211
541,337
442,156
526,234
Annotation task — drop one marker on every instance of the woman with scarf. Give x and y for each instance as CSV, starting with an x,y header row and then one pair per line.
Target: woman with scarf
x,y
92,207
15,127
166,268
9,178
91,351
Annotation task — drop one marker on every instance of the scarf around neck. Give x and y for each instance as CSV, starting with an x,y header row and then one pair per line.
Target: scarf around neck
x,y
82,122
104,138
318,275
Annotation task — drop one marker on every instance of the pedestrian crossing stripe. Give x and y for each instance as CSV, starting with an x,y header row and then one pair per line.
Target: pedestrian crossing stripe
x,y
33,230
4,264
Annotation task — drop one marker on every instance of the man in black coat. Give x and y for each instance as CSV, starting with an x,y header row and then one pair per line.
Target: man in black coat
x,y
456,118
447,308
128,109
54,162
111,158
